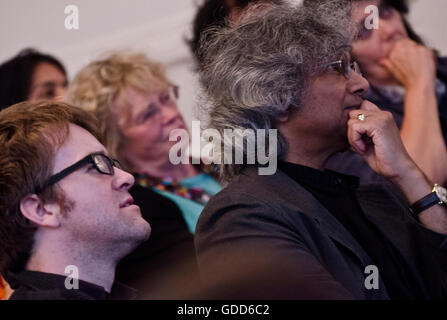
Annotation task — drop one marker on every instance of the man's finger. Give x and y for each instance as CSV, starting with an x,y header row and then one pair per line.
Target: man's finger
x,y
355,114
355,133
368,105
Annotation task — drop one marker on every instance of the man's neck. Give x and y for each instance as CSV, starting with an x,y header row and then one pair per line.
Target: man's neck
x,y
305,145
309,152
100,274
91,267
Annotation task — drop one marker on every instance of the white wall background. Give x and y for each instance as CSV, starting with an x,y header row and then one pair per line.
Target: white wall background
x,y
156,27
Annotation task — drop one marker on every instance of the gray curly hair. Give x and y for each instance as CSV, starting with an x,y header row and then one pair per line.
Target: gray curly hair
x,y
258,71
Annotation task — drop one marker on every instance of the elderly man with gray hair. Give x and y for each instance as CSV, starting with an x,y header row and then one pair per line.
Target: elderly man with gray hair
x,y
305,232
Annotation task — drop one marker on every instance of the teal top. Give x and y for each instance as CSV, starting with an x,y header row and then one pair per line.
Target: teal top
x,y
190,209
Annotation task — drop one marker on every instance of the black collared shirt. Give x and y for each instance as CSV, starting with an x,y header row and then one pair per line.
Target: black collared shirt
x,y
34,285
336,192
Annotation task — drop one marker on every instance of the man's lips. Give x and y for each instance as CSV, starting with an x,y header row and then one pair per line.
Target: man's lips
x,y
127,203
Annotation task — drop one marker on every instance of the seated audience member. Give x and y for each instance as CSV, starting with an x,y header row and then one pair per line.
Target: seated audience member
x,y
304,232
406,79
137,107
215,13
65,204
31,75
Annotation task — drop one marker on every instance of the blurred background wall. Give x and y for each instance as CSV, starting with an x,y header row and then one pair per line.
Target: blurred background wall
x,y
156,27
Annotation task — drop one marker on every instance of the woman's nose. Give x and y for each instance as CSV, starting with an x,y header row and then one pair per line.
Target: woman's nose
x,y
170,114
387,31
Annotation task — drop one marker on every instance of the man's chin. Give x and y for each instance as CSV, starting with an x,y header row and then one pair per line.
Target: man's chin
x,y
140,230
146,231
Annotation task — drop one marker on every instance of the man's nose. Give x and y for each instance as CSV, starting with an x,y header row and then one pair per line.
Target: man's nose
x,y
122,180
358,85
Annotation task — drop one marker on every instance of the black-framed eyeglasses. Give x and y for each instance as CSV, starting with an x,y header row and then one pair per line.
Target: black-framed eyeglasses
x,y
102,163
345,67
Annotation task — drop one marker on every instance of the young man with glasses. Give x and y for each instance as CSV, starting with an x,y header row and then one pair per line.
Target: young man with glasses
x,y
66,216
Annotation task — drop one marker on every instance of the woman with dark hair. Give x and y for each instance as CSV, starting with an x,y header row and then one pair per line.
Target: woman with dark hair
x,y
31,75
408,80
214,13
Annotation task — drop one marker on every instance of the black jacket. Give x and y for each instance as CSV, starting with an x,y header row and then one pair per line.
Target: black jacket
x,y
267,237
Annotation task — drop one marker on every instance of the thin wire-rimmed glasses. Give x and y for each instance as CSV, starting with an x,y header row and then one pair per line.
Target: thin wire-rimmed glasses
x,y
101,162
344,66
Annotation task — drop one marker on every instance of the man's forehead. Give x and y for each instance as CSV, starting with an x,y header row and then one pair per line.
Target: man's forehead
x,y
77,145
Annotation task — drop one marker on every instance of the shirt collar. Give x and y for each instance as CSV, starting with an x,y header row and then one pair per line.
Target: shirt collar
x,y
50,281
326,179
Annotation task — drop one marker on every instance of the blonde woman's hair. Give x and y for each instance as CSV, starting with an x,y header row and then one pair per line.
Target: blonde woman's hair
x,y
103,86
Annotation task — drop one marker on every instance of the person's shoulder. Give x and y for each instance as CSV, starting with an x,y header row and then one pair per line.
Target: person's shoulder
x,y
247,187
246,202
241,192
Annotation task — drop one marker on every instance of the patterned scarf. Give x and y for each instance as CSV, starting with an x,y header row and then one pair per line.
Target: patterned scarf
x,y
196,194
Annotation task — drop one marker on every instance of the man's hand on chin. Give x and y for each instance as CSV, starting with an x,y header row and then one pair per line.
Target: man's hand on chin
x,y
374,135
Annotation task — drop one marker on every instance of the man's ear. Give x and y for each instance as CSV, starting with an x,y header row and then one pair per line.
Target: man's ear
x,y
283,118
33,208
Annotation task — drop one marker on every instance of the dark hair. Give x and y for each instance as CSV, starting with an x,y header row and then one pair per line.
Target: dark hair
x,y
30,134
402,7
16,75
213,13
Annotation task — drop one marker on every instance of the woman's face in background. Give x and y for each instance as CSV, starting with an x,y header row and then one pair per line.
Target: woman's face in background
x,y
375,44
47,83
151,118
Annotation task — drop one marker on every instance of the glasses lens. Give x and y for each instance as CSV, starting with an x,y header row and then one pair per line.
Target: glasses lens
x,y
103,164
337,66
345,65
116,163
